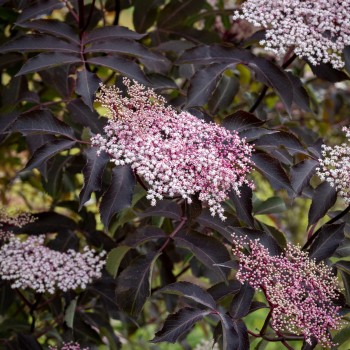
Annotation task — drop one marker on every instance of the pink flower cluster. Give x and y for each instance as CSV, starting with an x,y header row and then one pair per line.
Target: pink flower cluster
x,y
335,167
299,291
317,30
69,346
174,153
29,264
8,221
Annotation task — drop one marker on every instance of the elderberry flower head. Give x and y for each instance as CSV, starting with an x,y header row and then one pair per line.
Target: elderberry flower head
x,y
29,264
9,221
317,30
69,346
299,291
207,345
174,153
335,167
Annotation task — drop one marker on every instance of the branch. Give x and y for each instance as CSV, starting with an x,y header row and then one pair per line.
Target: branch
x,y
81,15
32,312
171,236
117,12
90,15
265,88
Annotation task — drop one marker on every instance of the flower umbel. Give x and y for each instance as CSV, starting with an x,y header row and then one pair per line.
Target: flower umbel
x,y
317,30
175,153
9,221
69,346
29,264
300,292
335,167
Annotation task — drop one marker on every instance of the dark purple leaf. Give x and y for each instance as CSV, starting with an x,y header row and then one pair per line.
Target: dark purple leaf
x,y
48,60
323,198
328,73
93,172
242,332
114,259
53,180
134,284
300,95
41,121
346,281
190,291
241,120
143,235
160,82
119,194
36,42
122,65
160,66
301,174
64,241
81,114
145,13
203,84
60,79
254,133
14,90
209,250
241,302
272,170
231,264
244,204
343,265
230,338
257,305
207,220
34,142
272,205
10,59
278,139
266,72
111,32
273,76
6,121
178,324
28,342
125,46
177,46
327,241
166,208
87,84
346,53
39,8
344,249
47,151
174,12
222,289
224,94
54,27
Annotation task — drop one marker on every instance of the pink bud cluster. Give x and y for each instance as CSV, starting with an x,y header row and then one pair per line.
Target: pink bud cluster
x,y
335,167
317,30
29,264
69,346
174,153
8,221
299,291
207,345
